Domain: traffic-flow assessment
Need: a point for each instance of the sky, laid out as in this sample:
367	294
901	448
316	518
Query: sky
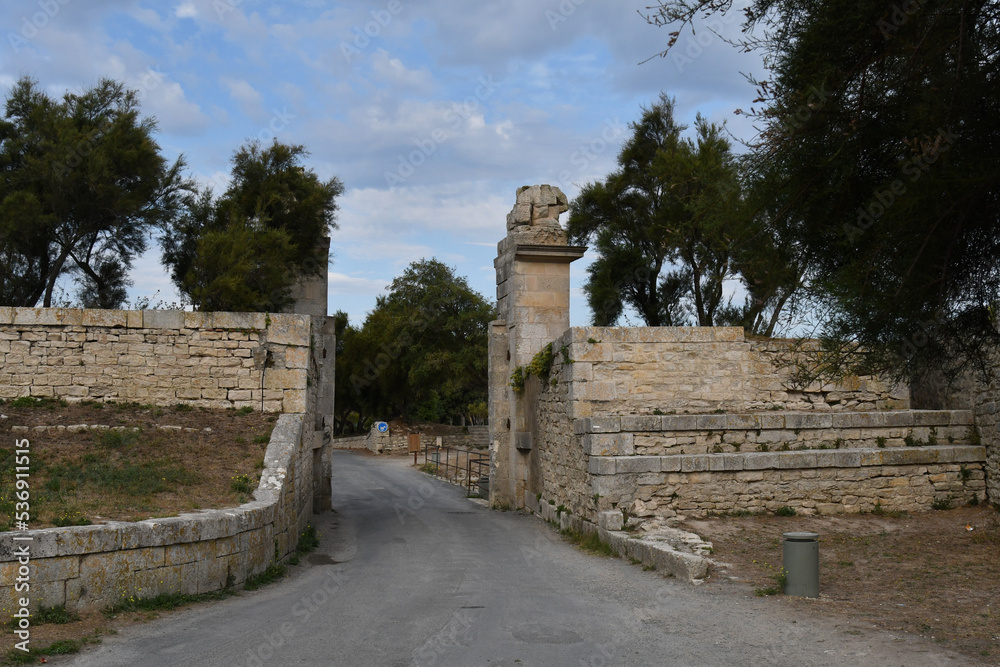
432	113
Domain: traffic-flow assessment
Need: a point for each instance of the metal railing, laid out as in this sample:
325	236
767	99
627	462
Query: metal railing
459	466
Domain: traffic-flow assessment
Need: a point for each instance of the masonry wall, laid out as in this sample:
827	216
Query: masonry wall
162	357
91	567
826	482
704	369
667	421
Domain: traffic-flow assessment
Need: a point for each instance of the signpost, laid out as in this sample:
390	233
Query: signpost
414	443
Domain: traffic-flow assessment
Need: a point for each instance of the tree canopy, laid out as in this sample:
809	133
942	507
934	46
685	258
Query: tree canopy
244	250
82	187
669	229
421	353
876	159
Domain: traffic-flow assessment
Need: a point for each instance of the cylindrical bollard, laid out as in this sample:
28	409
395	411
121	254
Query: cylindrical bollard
800	559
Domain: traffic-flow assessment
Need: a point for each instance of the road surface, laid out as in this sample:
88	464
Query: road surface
410	572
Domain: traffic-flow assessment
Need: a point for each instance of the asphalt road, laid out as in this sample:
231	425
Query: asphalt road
410	572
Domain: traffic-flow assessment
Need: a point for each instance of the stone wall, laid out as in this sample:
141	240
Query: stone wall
619	371
213	360
476	437
90	567
986	406
601	441
825	482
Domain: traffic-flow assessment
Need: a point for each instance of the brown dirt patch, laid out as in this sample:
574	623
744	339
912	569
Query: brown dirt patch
925	574
128	475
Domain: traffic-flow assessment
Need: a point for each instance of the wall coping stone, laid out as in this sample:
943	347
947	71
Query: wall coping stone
183	529
828	458
772	420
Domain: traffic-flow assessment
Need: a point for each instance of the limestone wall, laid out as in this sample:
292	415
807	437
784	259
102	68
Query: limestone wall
664	370
161	357
474	437
96	566
988	424
825	482
602	440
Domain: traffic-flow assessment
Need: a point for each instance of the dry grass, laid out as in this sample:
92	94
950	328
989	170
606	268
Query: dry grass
925	574
127	475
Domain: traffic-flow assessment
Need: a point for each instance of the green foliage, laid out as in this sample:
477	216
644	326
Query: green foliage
245	410
70	519
880	441
120	476
422	352
165	601
31	402
876	157
308	540
667	234
242	484
589	542
56	614
273	572
244	250
82	186
785	510
941	504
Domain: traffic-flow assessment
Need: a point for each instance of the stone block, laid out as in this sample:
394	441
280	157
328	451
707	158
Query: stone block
641	423
744	422
670	463
293	401
604	424
695	463
104	318
240	321
6	315
679	422
961	418
898	418
610	520
287	329
164	319
637	464
285	378
867	420
712	422
931	417
602	465
842	420
772	421
760	461
608	444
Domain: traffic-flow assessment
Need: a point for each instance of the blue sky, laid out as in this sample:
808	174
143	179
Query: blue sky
432	113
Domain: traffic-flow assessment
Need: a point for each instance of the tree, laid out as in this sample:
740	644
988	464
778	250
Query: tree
82	186
244	250
878	147
662	224
422	352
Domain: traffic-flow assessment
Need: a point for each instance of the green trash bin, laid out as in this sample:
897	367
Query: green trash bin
800	559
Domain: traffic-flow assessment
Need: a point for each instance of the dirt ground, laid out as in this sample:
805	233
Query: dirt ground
102	475
933	574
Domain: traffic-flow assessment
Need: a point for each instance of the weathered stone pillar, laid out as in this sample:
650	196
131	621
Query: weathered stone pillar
532	267
310	297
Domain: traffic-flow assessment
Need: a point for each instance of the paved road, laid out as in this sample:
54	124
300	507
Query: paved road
410	572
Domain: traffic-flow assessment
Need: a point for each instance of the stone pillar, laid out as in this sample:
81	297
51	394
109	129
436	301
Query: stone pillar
532	267
310	296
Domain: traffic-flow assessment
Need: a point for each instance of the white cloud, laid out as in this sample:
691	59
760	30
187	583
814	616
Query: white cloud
186	10
393	72
341	283
245	94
